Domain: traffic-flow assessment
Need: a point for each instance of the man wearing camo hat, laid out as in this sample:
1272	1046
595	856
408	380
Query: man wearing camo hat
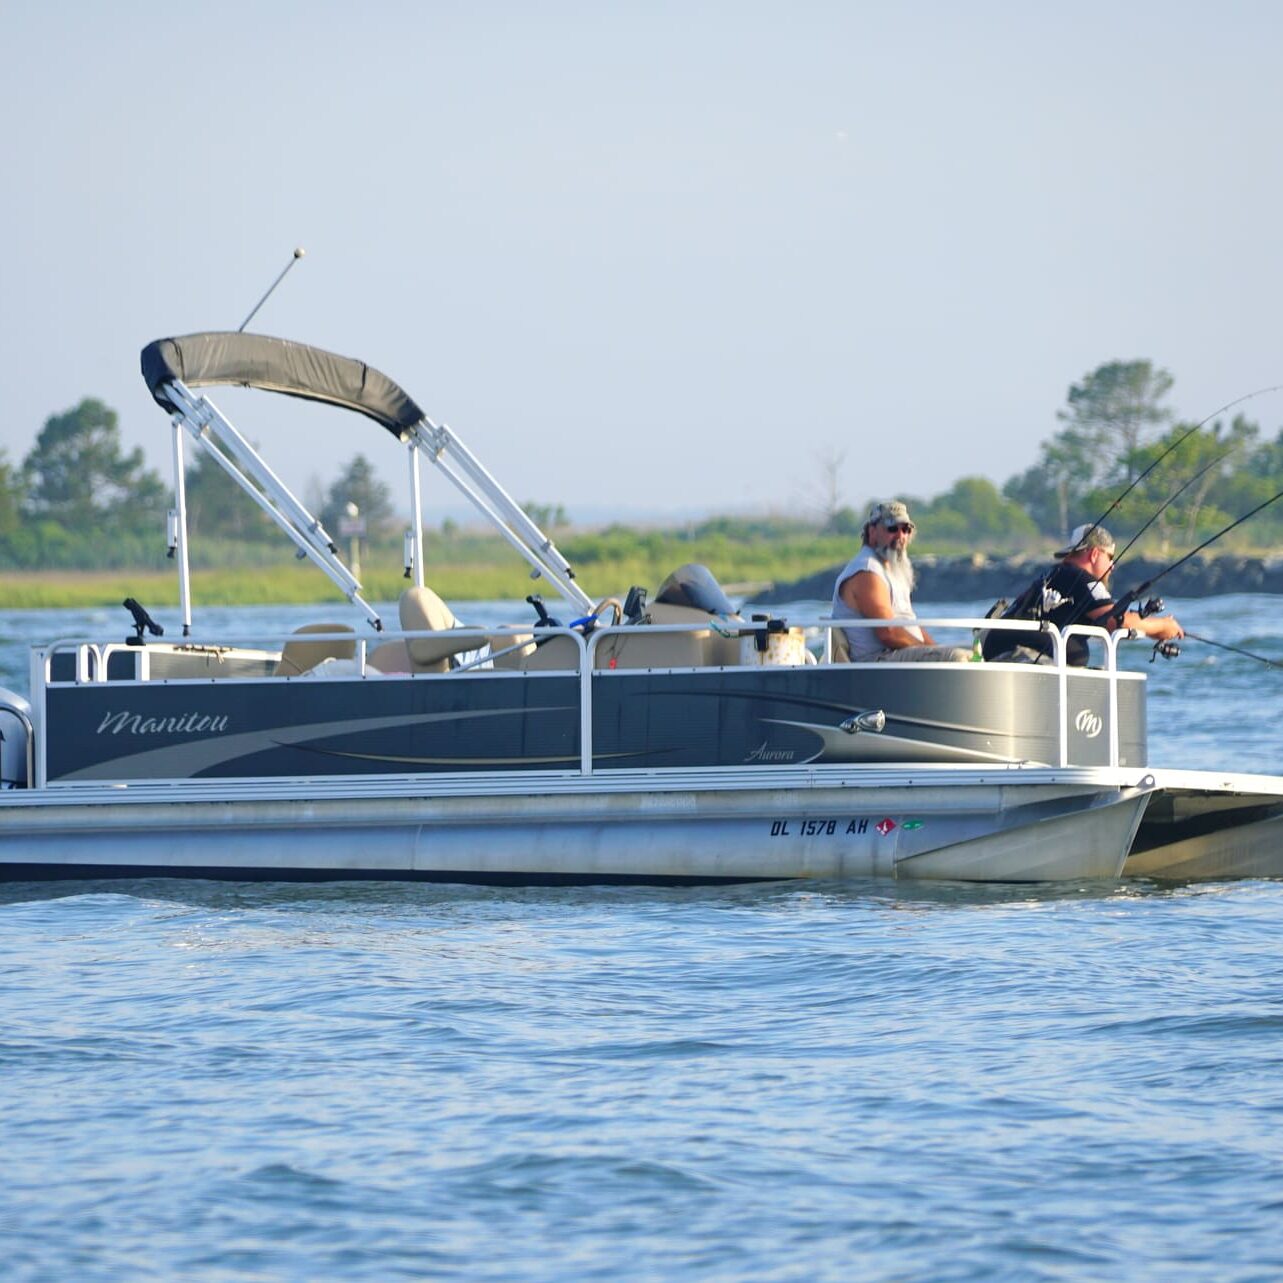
877	583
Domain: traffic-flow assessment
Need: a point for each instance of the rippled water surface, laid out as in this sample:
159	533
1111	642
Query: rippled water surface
857	1081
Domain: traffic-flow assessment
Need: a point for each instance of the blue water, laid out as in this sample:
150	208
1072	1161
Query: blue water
860	1081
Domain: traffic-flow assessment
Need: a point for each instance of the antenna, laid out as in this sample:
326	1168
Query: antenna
298	253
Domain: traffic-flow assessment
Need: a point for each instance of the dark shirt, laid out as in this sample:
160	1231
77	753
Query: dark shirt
1082	596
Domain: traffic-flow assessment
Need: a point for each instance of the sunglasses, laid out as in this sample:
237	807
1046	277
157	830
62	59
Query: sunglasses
894	529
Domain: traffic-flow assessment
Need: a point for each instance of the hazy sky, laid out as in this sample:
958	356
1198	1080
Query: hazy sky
656	255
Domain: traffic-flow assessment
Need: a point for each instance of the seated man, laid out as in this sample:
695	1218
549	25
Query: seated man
1075	591
877	583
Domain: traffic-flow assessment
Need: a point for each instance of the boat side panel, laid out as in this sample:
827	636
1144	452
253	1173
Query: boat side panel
949	713
755	717
189	730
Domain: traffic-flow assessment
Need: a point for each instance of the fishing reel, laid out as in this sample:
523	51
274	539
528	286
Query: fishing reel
1154	606
1168	648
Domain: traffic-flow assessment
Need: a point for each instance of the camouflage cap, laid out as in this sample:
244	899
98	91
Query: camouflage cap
890	512
1085	537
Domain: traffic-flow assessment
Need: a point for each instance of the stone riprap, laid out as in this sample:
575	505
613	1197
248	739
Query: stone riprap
967	578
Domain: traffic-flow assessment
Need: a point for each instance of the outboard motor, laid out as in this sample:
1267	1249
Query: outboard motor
693	585
13	740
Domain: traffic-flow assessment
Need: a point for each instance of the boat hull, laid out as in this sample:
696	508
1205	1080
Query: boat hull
1200	825
673	830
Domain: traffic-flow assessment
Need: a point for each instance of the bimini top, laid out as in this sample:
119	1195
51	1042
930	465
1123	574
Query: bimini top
277	365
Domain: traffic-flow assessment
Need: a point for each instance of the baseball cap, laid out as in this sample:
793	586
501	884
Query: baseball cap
891	512
1084	537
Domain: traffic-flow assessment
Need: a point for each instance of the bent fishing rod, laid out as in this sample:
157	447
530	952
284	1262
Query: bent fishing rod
1120	607
1229	405
1171	499
1158	512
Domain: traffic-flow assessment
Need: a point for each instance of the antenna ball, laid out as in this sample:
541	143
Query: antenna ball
298	253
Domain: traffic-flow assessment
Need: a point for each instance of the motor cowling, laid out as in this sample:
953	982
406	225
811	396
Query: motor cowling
14	708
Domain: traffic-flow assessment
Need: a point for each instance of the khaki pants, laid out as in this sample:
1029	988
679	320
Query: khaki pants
925	655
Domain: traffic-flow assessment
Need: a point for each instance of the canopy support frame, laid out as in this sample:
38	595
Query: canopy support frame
215	433
510	519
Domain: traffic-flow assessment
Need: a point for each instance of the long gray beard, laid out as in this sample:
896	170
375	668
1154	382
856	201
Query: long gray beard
898	567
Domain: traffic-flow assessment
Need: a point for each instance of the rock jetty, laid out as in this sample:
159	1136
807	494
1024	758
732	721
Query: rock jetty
978	577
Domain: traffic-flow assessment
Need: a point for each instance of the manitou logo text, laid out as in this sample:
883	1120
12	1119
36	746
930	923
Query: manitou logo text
1088	723
128	723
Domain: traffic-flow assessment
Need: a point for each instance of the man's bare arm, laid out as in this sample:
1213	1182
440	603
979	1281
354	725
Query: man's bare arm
866	593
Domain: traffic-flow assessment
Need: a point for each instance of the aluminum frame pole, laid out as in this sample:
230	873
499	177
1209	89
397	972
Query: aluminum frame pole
180	502
202	419
416	513
481	489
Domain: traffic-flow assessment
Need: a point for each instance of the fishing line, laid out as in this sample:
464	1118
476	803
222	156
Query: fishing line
1121	607
1238	650
1176	494
1185	436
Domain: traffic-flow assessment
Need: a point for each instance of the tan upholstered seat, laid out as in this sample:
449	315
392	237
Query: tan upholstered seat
300	657
505	656
422	611
556	653
698	649
841	646
390	657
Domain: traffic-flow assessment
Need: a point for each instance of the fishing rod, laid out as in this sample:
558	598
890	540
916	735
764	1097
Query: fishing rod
1171	499
1238	650
1121	608
1229	405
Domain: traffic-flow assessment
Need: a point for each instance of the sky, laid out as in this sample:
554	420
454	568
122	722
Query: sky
654	258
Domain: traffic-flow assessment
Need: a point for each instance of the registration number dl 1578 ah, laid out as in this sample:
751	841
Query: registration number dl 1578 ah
830	828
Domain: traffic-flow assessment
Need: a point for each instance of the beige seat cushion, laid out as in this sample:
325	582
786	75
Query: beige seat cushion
390	657
301	656
841	647
556	654
701	648
422	611
511	650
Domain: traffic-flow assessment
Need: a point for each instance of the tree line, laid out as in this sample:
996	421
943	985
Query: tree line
79	499
1115	423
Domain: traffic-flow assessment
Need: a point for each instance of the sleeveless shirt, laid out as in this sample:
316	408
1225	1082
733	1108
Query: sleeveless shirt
863	642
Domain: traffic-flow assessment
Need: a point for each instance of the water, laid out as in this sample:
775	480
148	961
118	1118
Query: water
867	1080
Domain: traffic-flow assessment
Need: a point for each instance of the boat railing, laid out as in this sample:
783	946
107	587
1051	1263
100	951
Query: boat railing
92	662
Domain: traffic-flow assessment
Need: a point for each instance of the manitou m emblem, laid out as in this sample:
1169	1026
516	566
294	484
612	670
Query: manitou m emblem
1088	723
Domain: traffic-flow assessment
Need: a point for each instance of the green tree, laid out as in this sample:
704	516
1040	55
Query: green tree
12	493
78	476
973	510
1099	450
217	506
358	484
547	516
1111	410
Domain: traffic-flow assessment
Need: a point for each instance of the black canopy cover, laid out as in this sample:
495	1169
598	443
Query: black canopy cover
277	365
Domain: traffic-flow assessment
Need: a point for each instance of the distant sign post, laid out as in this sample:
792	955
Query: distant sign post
352	525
